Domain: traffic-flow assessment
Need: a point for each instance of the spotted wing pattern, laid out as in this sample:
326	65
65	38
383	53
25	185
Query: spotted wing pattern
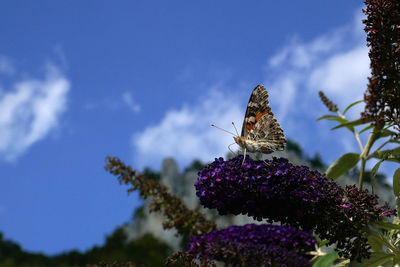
267	135
257	108
260	127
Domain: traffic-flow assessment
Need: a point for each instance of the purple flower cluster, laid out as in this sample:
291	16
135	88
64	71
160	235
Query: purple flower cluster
276	190
255	245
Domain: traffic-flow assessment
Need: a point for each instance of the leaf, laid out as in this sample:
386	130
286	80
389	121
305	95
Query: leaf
352	104
326	260
377	259
342	165
332	118
385	133
344	263
389	154
352	123
373	173
396	182
386	225
366	128
376	244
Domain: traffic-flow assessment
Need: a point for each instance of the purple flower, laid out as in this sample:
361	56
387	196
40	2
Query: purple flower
255	245
276	190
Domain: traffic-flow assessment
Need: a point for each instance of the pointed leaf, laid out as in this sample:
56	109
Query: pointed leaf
352	123
342	165
376	244
332	118
390	154
373	173
377	259
326	260
396	182
344	263
352	104
385	133
366	128
386	225
383	154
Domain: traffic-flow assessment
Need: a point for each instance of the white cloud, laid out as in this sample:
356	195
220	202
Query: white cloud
30	110
6	66
336	63
186	133
129	101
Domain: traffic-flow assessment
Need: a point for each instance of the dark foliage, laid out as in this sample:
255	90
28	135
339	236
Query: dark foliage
146	250
177	215
382	26
294	147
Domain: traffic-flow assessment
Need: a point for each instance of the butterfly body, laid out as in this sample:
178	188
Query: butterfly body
261	132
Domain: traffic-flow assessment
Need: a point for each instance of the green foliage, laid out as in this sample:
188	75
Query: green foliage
196	166
396	182
151	174
326	260
145	250
294	147
139	213
342	165
316	162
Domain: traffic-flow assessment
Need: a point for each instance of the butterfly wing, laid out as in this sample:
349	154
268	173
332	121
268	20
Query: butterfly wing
257	108
267	135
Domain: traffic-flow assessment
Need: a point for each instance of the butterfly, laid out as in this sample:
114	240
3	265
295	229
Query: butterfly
261	131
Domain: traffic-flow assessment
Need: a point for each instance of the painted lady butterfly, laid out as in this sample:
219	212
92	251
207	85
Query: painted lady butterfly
261	131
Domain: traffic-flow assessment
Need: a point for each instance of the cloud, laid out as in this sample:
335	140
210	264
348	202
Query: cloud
129	101
337	63
6	66
186	134
30	110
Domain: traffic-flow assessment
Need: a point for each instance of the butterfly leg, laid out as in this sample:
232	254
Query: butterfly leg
244	156
229	147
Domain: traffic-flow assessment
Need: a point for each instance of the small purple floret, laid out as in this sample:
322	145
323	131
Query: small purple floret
255	245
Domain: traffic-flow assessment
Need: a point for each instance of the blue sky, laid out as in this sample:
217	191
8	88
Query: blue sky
143	80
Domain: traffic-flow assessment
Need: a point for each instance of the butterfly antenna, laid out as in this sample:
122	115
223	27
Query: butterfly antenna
235	128
213	125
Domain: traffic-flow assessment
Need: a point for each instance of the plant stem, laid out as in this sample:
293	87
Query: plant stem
364	155
355	134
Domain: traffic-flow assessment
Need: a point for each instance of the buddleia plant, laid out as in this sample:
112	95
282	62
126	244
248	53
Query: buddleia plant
380	120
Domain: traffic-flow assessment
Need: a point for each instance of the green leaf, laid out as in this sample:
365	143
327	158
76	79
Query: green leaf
396	182
385	133
390	154
376	243
344	263
352	123
342	165
377	259
386	225
373	173
332	118
326	260
352	104
382	154
366	128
